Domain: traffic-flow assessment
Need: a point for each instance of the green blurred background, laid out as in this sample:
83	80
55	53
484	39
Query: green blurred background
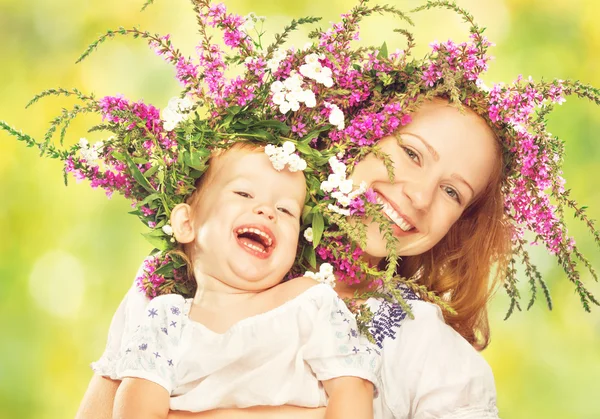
68	255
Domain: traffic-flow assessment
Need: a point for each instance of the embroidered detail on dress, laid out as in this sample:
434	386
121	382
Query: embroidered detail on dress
388	317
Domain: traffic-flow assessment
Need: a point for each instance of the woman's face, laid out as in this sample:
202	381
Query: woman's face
442	161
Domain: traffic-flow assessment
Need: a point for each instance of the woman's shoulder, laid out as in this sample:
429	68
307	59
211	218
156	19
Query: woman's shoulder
433	365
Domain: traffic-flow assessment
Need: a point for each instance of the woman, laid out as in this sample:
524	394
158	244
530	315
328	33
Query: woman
447	188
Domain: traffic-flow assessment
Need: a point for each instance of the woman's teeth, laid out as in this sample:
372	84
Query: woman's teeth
394	216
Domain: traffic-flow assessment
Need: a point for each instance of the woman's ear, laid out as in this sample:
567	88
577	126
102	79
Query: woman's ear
182	224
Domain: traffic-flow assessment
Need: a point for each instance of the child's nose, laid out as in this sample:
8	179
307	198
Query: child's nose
265	211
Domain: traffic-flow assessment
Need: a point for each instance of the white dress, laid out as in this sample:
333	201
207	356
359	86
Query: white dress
274	358
428	370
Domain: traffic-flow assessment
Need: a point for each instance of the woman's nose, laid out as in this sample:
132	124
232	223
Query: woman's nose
420	193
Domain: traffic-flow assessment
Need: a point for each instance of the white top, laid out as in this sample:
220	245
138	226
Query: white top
428	370
274	358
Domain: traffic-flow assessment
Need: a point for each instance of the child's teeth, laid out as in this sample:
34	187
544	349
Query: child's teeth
394	216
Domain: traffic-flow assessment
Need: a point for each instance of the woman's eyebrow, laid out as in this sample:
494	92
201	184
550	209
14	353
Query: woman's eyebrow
428	146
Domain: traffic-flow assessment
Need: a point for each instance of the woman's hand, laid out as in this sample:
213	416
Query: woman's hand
257	412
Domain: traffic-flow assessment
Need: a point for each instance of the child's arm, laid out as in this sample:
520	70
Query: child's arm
139	398
256	412
99	399
349	397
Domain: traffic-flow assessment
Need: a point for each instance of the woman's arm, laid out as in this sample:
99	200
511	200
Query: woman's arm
141	399
99	399
349	397
257	412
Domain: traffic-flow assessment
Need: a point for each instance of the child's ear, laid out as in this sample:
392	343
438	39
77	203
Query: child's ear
181	222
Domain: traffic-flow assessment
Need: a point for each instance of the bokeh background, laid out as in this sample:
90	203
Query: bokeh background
68	254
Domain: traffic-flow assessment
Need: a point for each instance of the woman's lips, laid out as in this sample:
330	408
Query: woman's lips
402	224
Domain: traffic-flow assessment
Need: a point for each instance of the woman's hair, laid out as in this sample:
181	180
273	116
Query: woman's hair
184	250
459	267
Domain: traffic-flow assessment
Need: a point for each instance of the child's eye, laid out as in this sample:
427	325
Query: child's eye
285	211
452	193
411	154
244	194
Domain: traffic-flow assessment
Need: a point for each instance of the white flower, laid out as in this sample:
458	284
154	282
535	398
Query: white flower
284	107
278	98
284	155
83	143
308	234
338	210
278	165
167	229
310	274
346	186
336	117
289	147
302	165
276	86
311	58
270	149
336	179
309	70
310	99
326	269
293	82
326	186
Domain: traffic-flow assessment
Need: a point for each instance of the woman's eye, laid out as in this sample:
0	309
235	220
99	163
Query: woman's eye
452	193
244	194
411	154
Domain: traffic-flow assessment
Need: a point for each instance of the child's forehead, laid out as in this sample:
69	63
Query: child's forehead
237	161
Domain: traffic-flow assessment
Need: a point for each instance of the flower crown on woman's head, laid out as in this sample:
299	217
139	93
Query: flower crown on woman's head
320	109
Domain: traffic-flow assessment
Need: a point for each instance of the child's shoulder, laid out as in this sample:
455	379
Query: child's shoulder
295	287
167	302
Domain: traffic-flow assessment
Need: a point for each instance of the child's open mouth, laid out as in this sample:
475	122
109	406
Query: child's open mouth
256	240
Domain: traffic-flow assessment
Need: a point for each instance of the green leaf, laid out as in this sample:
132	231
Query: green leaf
318	225
195	160
310	256
306	214
273	123
166	270
304	148
149	199
118	156
137	175
159	242
383	51
148	173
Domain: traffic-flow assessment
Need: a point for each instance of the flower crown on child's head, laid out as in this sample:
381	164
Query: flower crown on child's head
320	109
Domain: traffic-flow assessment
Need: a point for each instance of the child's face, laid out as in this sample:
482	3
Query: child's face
247	221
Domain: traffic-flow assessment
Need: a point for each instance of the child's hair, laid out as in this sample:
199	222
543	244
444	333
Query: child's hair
184	250
459	266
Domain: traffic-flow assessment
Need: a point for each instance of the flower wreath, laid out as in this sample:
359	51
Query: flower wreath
319	109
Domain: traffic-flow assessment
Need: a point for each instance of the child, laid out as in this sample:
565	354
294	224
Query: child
243	341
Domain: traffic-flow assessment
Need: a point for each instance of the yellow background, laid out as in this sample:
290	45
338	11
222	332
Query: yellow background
68	255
